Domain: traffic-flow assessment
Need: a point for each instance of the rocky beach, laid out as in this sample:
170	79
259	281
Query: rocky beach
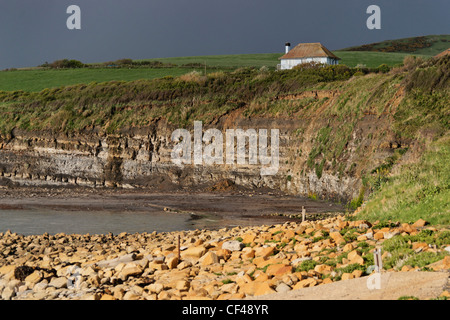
225	264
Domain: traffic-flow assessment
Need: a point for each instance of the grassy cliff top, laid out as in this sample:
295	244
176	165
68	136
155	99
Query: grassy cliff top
391	53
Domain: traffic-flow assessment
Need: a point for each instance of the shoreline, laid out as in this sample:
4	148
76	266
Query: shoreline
203	209
230	263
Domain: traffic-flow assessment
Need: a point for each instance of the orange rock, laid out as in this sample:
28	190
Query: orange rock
260	262
379	235
300	275
263	288
443	264
362	237
419	223
446	262
265	252
289	234
407	228
406	268
348	247
264	236
262	277
194	252
347	276
323	269
278	269
249	238
248	289
224	296
358	260
237	296
224	254
309	282
342	224
209	258
337	237
354	257
420	245
357	273
172	263
300	230
250	254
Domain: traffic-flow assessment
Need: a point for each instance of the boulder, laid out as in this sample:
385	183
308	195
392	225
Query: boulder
391	234
132	270
347	276
419	223
337	237
443	264
278	269
257	288
348	247
308	282
34	278
263	288
282	288
354	257
264	252
184	264
209	258
58	282
249	237
323	269
379	235
194	252
182	285
172	263
8	293
233	245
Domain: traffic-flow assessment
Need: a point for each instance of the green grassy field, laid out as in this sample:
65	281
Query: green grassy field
372	59
349	58
227	61
38	79
35	79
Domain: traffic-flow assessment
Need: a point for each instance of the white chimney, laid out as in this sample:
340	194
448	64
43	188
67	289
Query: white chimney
288	47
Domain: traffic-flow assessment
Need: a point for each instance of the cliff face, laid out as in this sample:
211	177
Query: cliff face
341	133
141	157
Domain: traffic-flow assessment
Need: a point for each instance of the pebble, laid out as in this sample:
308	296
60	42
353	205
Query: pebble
270	259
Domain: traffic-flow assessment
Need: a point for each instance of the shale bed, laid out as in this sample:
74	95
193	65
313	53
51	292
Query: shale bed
202	207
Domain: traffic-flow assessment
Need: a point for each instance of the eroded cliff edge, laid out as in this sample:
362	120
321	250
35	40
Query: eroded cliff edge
141	157
334	134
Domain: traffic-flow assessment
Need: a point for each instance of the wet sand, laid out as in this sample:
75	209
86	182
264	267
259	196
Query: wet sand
205	209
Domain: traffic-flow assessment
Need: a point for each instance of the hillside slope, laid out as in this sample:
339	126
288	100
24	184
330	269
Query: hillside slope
425	45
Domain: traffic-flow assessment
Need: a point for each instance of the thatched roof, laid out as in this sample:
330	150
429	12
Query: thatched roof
309	50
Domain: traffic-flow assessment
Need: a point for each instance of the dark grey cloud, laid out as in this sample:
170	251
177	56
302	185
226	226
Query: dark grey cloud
33	32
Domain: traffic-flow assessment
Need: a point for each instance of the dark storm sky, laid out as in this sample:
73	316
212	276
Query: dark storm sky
34	31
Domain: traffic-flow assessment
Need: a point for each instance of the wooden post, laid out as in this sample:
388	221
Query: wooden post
179	249
377	259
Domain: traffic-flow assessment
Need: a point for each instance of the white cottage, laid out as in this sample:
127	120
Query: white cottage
306	53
